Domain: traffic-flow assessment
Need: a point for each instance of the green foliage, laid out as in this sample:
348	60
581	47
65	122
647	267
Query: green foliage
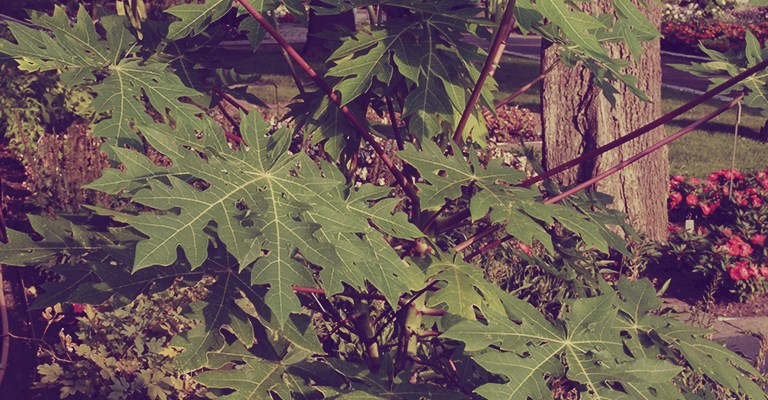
318	287
121	353
34	104
733	63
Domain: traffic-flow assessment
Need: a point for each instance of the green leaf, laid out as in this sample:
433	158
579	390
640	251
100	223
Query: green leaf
287	377
587	348
196	17
218	311
465	286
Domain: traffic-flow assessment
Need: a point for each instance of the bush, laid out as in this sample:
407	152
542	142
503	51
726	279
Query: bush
121	353
724	242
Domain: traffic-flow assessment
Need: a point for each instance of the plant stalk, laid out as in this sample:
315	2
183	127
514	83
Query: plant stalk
661	143
364	329
230	100
647	128
505	27
618	167
527	86
394	122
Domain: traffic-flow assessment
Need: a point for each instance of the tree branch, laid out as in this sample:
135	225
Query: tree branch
647	128
407	186
229	99
505	27
527	86
661	143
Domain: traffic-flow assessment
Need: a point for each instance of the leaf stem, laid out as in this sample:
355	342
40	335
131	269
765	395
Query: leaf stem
476	237
618	167
661	143
394	122
527	86
649	127
321	292
505	27
229	99
409	189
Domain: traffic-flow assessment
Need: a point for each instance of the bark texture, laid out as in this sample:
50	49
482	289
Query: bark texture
319	26
576	118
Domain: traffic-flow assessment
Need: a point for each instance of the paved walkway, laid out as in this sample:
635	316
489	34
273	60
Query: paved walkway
737	334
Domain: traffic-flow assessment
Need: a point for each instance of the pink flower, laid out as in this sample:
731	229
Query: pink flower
524	248
764	271
694	181
734	273
78	308
709	209
674	199
757	239
692	199
738	247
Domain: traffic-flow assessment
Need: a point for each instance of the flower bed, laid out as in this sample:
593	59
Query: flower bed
721	36
718	232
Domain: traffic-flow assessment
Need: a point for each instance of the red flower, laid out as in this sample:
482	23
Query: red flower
694	181
757	239
734	273
764	271
524	248
709	209
692	199
675	199
78	308
744	271
738	247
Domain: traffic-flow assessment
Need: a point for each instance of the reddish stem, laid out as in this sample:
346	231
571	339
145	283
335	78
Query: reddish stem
394	122
618	167
661	143
321	292
229	99
647	128
505	27
475	238
409	189
527	86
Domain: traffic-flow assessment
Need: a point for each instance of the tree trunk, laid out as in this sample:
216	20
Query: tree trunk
317	45
576	118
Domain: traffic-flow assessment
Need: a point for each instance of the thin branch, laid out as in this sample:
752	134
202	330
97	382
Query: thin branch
294	74
394	122
434	216
527	86
647	128
618	167
475	238
321	292
407	186
487	247
229	99
505	27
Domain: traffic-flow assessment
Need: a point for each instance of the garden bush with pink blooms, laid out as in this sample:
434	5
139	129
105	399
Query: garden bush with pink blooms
718	228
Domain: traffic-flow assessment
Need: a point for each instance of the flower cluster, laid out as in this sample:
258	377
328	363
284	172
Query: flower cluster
685	35
726	216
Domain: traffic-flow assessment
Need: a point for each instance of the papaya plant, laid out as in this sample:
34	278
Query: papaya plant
320	288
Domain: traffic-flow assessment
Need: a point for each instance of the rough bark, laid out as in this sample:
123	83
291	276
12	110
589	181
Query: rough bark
576	117
317	45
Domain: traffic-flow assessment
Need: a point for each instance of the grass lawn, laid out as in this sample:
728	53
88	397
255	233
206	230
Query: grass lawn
697	154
